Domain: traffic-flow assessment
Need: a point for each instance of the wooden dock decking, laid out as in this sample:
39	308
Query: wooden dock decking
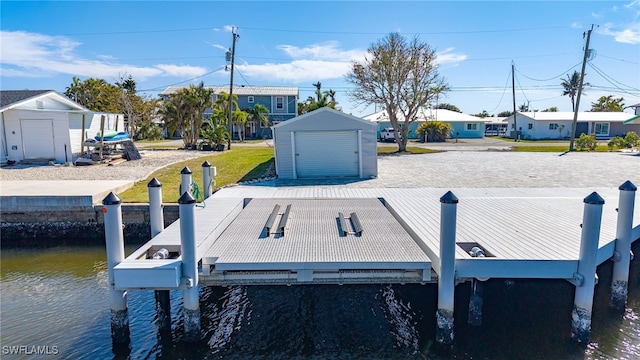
526	233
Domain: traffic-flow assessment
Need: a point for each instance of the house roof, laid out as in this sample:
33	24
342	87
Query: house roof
319	112
633	120
582	116
428	115
10	97
13	98
243	90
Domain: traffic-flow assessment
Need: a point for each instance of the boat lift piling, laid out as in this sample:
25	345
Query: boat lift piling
447	275
585	278
185	180
156	221
114	238
622	256
191	301
208	178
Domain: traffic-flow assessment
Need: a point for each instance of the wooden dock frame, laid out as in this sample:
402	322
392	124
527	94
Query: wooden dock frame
446	265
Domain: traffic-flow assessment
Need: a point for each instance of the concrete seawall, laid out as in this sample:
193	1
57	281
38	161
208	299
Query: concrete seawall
75	225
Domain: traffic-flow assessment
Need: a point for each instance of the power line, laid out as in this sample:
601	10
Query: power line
181	82
555	77
623	60
607	77
153	31
504	90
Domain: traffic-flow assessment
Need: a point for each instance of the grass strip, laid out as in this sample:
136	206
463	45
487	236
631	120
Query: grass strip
238	164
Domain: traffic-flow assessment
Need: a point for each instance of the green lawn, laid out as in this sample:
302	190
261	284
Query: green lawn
238	164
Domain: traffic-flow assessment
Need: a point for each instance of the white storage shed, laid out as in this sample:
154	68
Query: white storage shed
46	125
326	143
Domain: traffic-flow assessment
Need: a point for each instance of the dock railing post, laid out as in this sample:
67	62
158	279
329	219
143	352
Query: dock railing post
114	238
156	216
191	301
446	278
156	221
622	255
587	263
208	178
185	180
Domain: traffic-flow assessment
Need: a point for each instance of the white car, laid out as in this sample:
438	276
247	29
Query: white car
386	134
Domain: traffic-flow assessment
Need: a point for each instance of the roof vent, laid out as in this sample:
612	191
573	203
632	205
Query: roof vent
39	104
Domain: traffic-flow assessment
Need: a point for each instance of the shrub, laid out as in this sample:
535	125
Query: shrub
631	139
586	142
436	131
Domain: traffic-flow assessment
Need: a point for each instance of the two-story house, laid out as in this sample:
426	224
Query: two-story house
282	102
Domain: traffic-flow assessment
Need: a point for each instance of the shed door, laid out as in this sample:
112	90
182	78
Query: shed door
327	154
37	139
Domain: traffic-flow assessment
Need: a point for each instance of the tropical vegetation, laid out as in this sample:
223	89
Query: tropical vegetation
100	96
434	131
630	140
571	85
608	104
322	99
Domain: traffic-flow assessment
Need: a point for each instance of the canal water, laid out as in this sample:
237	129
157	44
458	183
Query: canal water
54	302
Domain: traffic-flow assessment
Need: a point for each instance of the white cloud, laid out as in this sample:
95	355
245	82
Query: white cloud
297	70
448	56
325	51
629	35
27	54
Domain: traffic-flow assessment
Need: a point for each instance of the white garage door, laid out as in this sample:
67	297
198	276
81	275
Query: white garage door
37	139
327	154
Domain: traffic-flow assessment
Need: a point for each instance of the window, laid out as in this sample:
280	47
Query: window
553	126
250	99
602	129
530	126
279	103
472	127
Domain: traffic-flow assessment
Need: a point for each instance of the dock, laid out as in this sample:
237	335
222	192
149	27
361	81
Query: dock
305	235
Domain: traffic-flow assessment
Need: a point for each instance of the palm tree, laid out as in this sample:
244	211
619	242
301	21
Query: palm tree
223	103
259	114
571	85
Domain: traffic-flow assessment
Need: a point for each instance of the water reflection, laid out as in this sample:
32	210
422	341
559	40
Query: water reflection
58	297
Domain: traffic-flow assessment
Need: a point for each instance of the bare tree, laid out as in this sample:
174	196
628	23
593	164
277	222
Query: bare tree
400	75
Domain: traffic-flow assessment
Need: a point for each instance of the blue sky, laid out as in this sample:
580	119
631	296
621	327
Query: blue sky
160	43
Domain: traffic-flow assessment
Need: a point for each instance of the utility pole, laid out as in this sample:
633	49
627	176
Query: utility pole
231	57
513	91
575	111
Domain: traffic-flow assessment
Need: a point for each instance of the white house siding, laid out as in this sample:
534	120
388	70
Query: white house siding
3	141
17	142
324	120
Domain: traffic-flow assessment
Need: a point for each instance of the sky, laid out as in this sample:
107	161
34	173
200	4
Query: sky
43	45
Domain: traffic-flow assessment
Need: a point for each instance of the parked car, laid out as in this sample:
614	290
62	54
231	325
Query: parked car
386	134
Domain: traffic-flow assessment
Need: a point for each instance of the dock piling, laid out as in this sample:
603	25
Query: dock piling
191	301
446	279
156	216
622	256
114	239
208	178
185	180
587	263
156	220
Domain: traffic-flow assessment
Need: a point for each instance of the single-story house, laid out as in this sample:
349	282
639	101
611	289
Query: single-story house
46	125
463	126
557	125
325	143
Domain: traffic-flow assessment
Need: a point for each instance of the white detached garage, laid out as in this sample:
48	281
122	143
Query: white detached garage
325	143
